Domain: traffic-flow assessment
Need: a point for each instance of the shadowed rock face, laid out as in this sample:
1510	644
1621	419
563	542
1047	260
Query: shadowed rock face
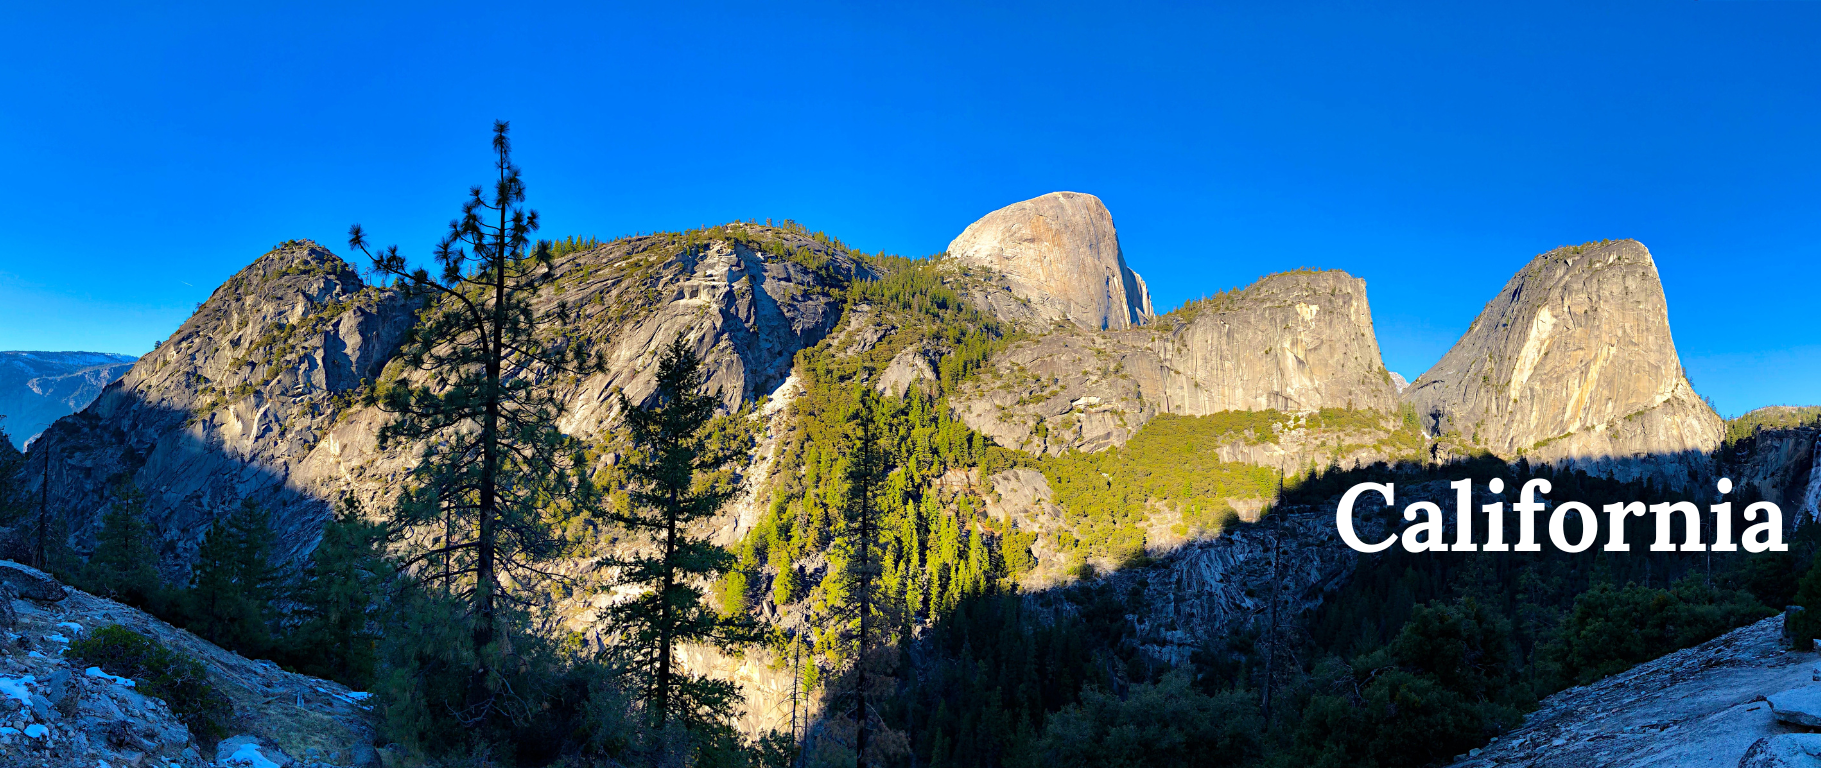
1296	341
231	404
1572	363
1060	254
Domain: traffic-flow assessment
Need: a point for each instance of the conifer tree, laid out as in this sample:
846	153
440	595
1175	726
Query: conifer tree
860	541
478	392
230	599
479	395
671	454
123	566
335	635
13	503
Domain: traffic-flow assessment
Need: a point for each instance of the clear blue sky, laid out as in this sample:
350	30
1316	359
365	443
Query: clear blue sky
1431	149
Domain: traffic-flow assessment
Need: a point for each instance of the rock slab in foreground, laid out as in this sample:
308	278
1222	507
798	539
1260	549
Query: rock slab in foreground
1700	707
30	583
1788	750
1798	706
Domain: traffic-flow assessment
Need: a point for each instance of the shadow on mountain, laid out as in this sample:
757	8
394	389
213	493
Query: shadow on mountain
1393	657
122	444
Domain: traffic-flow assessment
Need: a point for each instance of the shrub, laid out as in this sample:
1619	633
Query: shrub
158	671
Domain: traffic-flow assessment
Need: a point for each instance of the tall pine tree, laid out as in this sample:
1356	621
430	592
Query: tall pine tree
335	633
479	396
864	623
233	585
670	457
123	565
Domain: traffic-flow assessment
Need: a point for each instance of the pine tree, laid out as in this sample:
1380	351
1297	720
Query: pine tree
13	499
671	453
862	614
123	566
335	635
230	599
480	396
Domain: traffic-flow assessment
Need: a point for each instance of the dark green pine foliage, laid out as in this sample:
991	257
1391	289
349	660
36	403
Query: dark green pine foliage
230	599
668	492
13	500
477	390
124	566
334	632
862	629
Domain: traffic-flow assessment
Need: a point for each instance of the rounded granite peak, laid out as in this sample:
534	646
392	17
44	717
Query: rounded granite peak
1573	362
1060	253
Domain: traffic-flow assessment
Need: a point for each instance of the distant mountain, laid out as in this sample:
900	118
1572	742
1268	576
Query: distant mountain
37	388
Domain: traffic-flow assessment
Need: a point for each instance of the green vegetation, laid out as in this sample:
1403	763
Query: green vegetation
1168	722
332	629
1776	417
13	501
124	566
230	600
160	671
1173	466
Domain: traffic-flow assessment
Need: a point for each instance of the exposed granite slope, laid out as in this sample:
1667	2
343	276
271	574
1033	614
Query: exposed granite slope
1572	363
1700	706
1060	253
253	397
1295	341
85	718
231	404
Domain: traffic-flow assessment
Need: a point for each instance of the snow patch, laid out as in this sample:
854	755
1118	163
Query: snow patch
15	688
249	756
96	672
36	730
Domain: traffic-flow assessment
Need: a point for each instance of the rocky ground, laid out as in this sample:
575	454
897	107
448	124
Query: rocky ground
1709	705
56	712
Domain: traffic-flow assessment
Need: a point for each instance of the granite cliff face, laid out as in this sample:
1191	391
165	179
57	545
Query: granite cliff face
1296	341
1060	255
1572	363
254	396
37	388
231	404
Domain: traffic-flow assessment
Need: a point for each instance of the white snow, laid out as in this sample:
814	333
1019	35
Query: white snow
56	638
36	730
96	672
72	627
249	755
15	687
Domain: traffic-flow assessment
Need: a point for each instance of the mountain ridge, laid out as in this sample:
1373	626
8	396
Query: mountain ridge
39	387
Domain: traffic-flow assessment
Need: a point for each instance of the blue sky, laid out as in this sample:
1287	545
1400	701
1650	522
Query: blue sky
1431	149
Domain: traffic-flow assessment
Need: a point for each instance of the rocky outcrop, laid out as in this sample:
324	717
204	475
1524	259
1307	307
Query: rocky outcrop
1779	466
1701	706
231	405
257	395
37	388
1061	255
57	713
1572	363
254	396
1296	341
